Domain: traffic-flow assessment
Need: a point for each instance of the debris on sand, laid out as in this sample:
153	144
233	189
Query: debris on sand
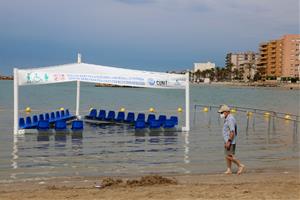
151	180
109	182
143	181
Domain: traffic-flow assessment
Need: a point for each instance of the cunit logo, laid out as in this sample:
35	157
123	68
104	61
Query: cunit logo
162	83
151	81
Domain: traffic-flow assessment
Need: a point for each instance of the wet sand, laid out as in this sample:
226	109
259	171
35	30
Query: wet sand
266	185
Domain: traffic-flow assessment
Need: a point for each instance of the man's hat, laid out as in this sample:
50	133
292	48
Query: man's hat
224	108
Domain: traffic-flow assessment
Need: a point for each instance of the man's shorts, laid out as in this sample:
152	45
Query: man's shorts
231	151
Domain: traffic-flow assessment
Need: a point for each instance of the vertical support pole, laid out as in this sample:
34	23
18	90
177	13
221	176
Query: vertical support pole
187	103
78	88
78	98
16	101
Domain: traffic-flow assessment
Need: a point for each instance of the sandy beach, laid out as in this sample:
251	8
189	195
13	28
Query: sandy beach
265	185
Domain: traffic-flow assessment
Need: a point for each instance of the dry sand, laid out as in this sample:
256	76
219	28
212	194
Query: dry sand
283	185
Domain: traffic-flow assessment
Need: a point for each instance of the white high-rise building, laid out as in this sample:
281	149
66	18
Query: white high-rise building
203	66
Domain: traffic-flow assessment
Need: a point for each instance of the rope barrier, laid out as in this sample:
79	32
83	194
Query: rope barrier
267	113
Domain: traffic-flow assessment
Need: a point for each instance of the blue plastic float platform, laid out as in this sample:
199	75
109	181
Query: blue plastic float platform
140	123
58	121
51	123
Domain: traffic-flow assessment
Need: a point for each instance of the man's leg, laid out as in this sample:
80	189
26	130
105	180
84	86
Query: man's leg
239	164
228	162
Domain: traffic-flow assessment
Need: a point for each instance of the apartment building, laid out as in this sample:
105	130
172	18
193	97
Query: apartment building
290	55
280	58
244	63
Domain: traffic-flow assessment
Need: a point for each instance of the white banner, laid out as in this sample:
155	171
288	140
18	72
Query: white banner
100	74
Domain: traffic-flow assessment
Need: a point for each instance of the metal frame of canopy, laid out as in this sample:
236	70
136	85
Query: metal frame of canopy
16	100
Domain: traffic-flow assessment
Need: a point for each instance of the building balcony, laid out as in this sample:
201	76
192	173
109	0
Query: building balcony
263	48
264	44
261	63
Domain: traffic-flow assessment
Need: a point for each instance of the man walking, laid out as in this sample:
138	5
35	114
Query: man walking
230	138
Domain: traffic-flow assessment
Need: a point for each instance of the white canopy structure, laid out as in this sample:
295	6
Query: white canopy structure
83	72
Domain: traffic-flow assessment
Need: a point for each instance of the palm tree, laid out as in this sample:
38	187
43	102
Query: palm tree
235	73
229	68
217	73
249	66
198	75
211	74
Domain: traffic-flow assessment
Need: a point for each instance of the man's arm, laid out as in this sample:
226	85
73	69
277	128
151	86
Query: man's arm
232	129
231	137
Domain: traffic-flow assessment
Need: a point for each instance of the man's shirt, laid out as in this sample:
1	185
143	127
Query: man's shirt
229	125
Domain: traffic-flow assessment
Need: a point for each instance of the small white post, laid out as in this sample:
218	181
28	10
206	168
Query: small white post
187	103
78	58
16	101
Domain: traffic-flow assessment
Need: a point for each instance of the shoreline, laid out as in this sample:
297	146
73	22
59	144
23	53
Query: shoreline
252	185
289	86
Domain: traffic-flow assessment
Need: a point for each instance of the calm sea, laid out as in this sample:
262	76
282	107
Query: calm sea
263	143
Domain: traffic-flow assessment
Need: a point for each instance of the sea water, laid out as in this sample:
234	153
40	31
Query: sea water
264	143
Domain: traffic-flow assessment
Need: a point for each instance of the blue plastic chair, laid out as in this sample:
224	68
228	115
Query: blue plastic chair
28	122
111	116
68	113
57	115
52	117
43	125
139	125
162	119
102	115
169	123
130	117
41	117
77	125
174	119
154	124
93	114
140	117
47	116
62	114
120	117
150	118
22	123
35	120
60	125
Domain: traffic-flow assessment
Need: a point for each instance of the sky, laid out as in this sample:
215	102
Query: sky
157	35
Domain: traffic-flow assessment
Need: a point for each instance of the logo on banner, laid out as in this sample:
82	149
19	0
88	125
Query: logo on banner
151	81
162	83
37	77
59	77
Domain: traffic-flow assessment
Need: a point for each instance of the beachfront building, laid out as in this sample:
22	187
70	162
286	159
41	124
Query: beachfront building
199	71
242	65
280	58
290	56
204	66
